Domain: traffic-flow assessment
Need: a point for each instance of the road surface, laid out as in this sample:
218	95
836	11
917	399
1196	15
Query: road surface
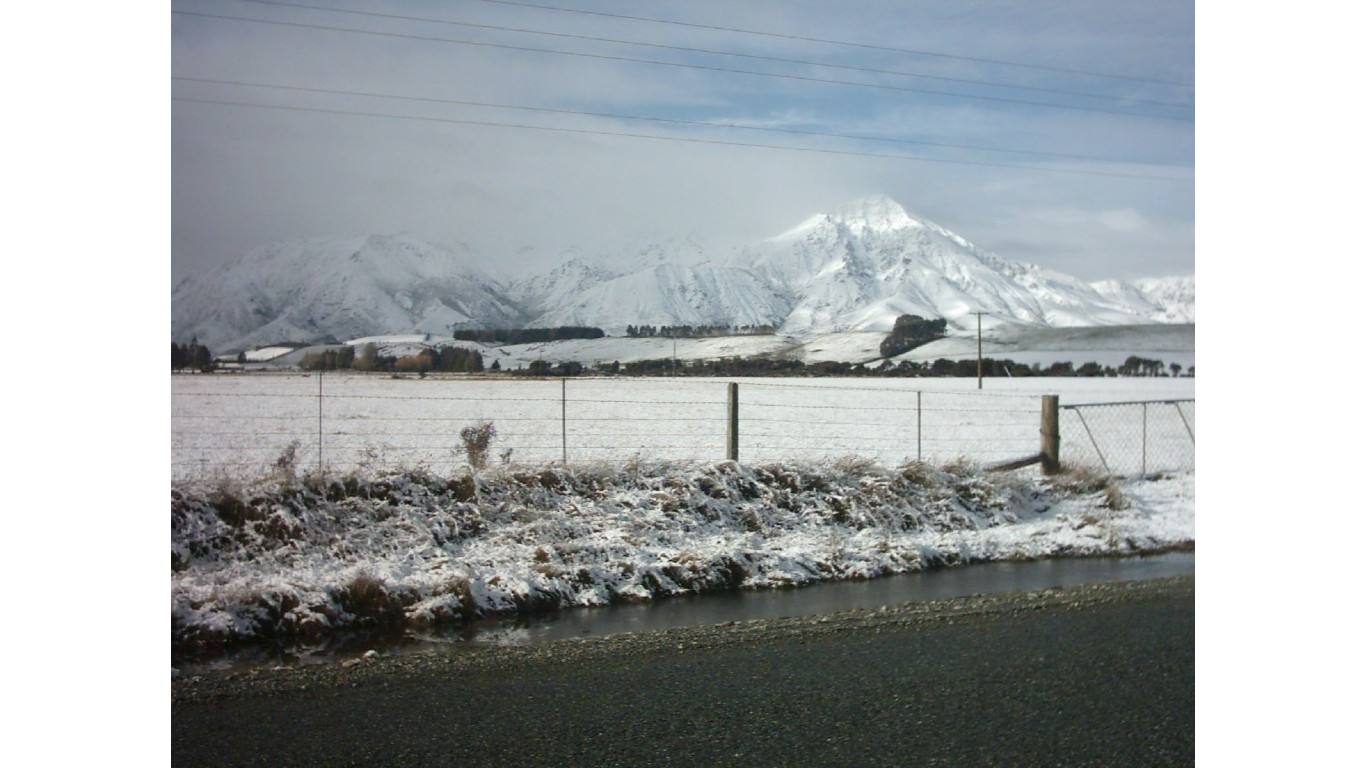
1102	675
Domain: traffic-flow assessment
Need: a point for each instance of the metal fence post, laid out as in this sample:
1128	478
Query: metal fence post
733	421
1145	441
919	420
1050	439
564	422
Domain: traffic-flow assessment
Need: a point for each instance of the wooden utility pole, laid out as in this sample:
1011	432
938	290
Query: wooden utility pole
979	347
320	423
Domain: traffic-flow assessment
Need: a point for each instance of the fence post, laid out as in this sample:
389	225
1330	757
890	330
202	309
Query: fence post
1050	439
564	422
733	421
1144	468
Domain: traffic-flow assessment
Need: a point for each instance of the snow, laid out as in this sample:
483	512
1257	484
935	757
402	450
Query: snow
243	424
397	527
852	269
265	354
1106	345
286	556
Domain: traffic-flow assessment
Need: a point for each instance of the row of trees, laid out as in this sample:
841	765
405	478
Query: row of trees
764	366
193	355
528	335
1141	366
447	359
693	331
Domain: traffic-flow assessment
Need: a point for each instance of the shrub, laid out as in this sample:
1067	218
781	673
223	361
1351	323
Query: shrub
287	463
1086	479
477	438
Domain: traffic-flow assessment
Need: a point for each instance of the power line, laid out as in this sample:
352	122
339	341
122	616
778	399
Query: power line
826	41
605	57
672	121
686	139
713	52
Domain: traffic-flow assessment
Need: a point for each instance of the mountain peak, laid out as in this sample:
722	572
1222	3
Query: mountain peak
872	214
877	213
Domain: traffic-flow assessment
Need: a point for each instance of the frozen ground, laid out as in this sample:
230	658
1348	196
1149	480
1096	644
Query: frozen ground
1106	345
305	556
241	425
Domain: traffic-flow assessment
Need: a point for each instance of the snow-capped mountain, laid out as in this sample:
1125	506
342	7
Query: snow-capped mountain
341	288
859	267
1172	297
852	269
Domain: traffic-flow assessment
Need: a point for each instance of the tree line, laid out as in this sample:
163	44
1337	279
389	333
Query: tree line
766	366
441	359
528	335
193	355
694	331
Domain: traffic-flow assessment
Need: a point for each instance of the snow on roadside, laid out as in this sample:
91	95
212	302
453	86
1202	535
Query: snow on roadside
307	556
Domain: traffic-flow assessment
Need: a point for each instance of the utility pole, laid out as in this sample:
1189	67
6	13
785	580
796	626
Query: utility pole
979	347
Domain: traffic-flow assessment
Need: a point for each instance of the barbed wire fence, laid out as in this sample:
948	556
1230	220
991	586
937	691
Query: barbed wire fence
252	425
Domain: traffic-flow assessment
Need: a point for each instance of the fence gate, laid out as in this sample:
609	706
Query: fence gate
1134	438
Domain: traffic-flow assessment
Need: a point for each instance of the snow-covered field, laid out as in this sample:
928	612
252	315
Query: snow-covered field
242	425
1106	345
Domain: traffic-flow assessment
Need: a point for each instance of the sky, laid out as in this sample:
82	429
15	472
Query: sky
1056	133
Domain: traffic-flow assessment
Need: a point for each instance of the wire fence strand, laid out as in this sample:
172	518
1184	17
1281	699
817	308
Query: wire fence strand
338	422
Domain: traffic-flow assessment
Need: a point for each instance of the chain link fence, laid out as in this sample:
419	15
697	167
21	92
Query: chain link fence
1125	439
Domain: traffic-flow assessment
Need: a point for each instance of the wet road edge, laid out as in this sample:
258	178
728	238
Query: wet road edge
336	679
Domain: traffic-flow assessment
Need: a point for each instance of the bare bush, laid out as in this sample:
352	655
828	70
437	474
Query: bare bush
287	463
477	439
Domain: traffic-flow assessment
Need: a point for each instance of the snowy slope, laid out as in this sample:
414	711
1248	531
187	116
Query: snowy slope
343	288
852	269
1167	300
669	294
861	266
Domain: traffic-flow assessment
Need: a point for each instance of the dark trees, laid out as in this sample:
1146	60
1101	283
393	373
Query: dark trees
192	355
911	331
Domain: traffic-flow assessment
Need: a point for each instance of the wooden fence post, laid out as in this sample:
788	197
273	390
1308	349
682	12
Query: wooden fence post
733	421
1050	439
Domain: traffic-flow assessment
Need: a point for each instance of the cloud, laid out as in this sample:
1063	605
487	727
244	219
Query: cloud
303	163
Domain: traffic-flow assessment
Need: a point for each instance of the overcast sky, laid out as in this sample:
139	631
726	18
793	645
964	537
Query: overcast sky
1058	133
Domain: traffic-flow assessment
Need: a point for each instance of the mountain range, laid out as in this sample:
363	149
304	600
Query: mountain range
855	268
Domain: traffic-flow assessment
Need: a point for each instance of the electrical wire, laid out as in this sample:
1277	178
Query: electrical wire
685	139
702	67
713	52
826	41
670	121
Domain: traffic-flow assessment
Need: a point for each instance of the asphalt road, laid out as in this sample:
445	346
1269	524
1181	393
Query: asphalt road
1102	675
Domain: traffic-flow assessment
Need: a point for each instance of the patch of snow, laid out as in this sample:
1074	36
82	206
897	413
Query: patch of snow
274	557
